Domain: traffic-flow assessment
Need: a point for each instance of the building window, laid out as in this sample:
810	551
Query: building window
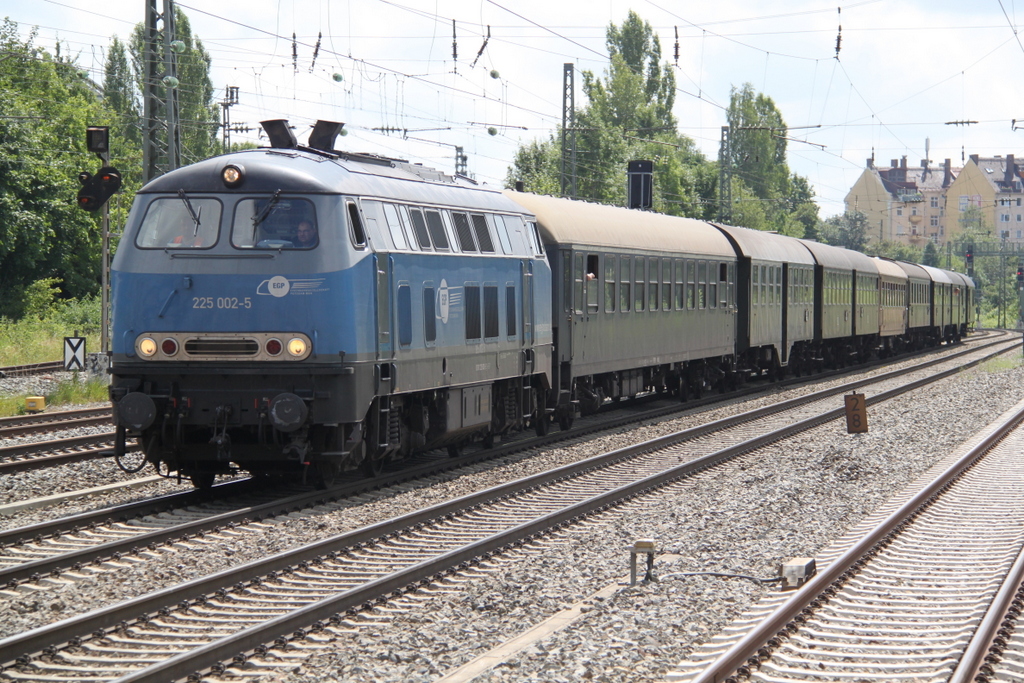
899	210
935	202
935	221
1004	218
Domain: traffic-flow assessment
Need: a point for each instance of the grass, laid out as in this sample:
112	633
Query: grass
67	391
1002	364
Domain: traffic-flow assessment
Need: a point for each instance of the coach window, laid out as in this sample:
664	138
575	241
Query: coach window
404	305
677	268
732	285
666	284
566	281
609	283
625	278
653	271
429	315
755	289
712	285
702	284
640	280
578	285
419	227
435	226
723	284
691	285
593	288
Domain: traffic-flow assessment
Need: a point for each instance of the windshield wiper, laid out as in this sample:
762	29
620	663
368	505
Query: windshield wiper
191	212
264	212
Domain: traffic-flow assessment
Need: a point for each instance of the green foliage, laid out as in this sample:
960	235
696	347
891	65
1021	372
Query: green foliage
930	257
35	340
75	390
898	251
628	116
849	230
47	104
40	298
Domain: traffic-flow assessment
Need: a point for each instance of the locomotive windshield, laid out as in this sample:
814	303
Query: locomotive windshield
180	223
274	223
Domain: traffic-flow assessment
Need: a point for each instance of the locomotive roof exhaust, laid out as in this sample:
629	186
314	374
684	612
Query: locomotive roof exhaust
280	133
324	134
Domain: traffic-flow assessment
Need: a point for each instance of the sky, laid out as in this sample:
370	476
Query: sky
935	79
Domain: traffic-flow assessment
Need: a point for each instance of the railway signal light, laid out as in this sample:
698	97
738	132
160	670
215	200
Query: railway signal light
1020	275
97	189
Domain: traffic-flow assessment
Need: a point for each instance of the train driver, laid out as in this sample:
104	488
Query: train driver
305	235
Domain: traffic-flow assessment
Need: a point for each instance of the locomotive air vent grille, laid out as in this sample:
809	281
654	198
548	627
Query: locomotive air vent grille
222	347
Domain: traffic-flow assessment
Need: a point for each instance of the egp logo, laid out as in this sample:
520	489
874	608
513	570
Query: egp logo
278	286
443	301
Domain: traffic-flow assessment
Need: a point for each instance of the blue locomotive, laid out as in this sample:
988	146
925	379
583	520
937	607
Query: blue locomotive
300	309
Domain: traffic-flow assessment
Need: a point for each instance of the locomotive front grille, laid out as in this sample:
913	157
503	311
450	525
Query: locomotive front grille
222	347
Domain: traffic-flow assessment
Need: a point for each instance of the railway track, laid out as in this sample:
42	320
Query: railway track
930	589
234	614
37	454
31	369
21	425
89	539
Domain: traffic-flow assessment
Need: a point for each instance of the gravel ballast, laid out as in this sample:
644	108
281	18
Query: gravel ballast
743	518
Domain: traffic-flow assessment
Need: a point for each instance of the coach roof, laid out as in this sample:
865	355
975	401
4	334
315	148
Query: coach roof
570	222
768	246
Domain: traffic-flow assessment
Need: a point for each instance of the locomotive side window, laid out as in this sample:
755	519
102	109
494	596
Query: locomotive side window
419	226
535	236
472	303
463	234
429	316
404	301
510	310
394	221
491	311
356	223
499	227
483	235
173	223
436	228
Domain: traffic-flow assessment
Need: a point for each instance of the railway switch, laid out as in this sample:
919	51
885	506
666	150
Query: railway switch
797	571
643	546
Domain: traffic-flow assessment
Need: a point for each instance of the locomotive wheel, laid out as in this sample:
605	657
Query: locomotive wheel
202	480
327	473
371	467
541	424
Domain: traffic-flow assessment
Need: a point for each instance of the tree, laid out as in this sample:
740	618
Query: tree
930	257
849	230
48	102
757	157
628	116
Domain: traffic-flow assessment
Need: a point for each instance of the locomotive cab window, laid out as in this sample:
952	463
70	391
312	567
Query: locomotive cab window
180	223
274	223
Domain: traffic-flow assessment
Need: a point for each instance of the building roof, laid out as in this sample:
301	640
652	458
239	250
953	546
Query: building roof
1003	173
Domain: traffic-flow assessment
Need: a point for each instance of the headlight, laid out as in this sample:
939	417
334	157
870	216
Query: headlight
232	175
273	347
147	347
169	347
297	347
